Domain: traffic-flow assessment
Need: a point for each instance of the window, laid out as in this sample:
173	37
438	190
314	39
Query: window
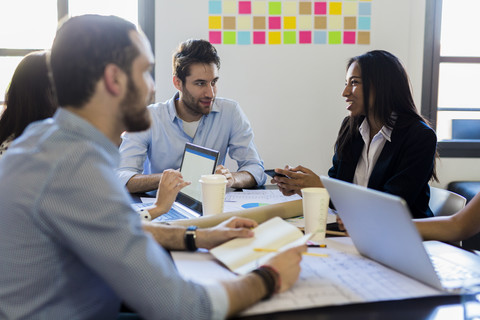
29	25
451	68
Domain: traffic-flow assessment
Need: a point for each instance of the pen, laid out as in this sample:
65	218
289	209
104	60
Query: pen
313	245
320	255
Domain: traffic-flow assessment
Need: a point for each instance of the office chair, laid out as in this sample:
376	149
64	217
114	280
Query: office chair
444	202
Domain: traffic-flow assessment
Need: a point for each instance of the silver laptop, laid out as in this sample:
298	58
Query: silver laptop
196	161
381	228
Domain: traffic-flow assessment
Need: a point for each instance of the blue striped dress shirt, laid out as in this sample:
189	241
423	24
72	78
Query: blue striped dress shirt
71	247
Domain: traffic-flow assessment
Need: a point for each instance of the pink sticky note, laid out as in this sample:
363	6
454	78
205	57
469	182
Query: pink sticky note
349	37
215	37
305	36
259	37
320	8
274	22
244	7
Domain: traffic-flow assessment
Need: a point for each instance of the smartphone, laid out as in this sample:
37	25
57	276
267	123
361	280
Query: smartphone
272	173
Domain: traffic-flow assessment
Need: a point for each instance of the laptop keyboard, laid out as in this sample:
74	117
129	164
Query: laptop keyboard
172	214
449	271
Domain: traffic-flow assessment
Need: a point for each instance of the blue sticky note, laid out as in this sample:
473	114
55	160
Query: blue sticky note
364	9
215	7
320	37
363	23
243	37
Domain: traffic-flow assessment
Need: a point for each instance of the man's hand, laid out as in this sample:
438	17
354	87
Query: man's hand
287	263
220	169
168	187
297	178
232	228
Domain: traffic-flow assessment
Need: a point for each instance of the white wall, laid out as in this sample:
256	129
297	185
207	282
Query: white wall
292	93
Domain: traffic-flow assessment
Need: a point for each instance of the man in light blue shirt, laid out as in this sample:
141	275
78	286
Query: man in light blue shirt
71	246
195	115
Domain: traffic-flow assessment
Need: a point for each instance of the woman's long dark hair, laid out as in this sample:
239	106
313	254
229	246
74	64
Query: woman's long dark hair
29	96
384	76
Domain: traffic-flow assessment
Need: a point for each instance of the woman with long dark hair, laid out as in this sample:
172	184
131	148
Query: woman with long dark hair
29	98
384	143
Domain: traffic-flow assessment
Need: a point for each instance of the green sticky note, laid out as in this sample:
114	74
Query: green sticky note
289	37
334	37
275	8
229	37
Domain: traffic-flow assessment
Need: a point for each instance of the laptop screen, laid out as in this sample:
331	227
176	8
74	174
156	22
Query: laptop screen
196	162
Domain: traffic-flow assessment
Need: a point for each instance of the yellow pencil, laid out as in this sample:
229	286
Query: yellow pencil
320	255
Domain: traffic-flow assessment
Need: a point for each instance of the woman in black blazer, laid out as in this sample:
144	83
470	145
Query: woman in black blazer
384	143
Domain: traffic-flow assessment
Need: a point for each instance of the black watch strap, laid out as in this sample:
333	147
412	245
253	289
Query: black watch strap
190	236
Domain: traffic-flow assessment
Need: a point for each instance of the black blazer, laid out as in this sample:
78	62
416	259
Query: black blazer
403	168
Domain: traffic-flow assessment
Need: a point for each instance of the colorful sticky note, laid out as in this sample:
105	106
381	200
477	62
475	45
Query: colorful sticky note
305	22
350	23
274	37
229	23
244	23
363	37
274	8
305	36
290	8
289	23
365	9
229	37
289	37
259	37
335	8
229	7
244	37
274	22
320	37
215	22
305	7
350	8
349	37
215	7
259	23
215	37
244	7
259	7
335	22
320	22
364	23
320	8
334	37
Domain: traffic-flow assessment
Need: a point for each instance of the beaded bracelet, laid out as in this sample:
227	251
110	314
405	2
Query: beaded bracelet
271	279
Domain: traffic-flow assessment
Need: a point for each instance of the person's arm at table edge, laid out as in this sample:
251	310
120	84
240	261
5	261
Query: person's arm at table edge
143	182
459	226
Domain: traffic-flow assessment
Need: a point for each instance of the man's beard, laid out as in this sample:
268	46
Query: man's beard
134	119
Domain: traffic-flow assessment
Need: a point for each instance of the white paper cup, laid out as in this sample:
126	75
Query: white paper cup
315	210
213	193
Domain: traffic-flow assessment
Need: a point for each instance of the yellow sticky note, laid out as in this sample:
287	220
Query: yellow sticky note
350	8
274	37
305	22
290	8
335	8
214	22
289	23
335	22
229	7
244	23
259	7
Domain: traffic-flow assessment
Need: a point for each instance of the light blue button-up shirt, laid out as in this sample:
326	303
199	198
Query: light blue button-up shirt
225	129
71	247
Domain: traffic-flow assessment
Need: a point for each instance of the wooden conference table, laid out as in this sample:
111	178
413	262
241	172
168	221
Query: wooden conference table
431	308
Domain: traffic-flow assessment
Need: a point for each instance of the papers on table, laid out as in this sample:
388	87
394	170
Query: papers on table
344	277
254	198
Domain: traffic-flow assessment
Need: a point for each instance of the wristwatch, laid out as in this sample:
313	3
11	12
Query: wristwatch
190	236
